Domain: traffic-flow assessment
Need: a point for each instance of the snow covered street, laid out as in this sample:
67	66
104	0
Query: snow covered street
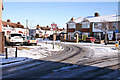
72	61
44	50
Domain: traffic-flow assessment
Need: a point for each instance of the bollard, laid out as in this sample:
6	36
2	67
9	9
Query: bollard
16	53
53	45
6	53
59	46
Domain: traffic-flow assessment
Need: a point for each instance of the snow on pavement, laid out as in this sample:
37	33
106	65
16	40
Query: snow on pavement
34	52
100	50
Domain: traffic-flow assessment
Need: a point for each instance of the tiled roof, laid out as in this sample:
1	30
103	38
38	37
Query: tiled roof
10	24
43	28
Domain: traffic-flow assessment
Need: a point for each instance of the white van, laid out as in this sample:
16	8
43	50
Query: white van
14	39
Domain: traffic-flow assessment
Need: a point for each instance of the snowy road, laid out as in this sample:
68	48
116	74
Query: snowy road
75	61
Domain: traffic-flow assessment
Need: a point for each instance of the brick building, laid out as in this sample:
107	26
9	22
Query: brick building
90	26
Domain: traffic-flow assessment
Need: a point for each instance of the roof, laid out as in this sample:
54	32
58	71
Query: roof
15	25
43	28
71	21
108	18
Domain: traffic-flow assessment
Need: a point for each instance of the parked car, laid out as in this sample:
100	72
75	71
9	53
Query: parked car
30	41
14	39
90	39
57	37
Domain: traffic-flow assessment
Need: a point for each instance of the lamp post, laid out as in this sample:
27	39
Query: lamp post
116	32
26	27
116	24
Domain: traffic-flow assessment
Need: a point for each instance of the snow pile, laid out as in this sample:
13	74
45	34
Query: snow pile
35	52
104	51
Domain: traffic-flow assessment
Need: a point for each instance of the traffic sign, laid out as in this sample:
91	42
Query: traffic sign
116	31
54	26
116	41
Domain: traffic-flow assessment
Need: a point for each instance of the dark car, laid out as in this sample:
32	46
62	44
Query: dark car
57	37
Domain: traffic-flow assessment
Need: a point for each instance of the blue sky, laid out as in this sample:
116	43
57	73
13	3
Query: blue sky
45	13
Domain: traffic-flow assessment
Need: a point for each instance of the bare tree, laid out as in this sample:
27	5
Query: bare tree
104	27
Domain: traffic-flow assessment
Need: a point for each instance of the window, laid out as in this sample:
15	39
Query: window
71	25
12	35
85	25
96	27
113	25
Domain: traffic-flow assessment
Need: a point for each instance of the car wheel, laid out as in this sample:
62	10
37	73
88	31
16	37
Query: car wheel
35	44
21	44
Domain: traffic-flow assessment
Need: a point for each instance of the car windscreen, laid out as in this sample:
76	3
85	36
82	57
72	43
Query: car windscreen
31	38
13	35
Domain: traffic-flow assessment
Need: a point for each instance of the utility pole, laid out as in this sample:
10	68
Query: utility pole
116	25
116	32
26	27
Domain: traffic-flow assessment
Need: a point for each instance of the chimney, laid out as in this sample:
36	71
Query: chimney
38	25
8	20
18	22
72	19
96	14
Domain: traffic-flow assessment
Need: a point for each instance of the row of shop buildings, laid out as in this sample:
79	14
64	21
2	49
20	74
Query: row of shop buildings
89	26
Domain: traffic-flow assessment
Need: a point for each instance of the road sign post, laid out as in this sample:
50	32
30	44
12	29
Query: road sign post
54	36
116	32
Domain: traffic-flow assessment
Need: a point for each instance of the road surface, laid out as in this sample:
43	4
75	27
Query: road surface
75	61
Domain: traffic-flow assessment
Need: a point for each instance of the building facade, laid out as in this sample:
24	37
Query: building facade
93	26
10	27
47	31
